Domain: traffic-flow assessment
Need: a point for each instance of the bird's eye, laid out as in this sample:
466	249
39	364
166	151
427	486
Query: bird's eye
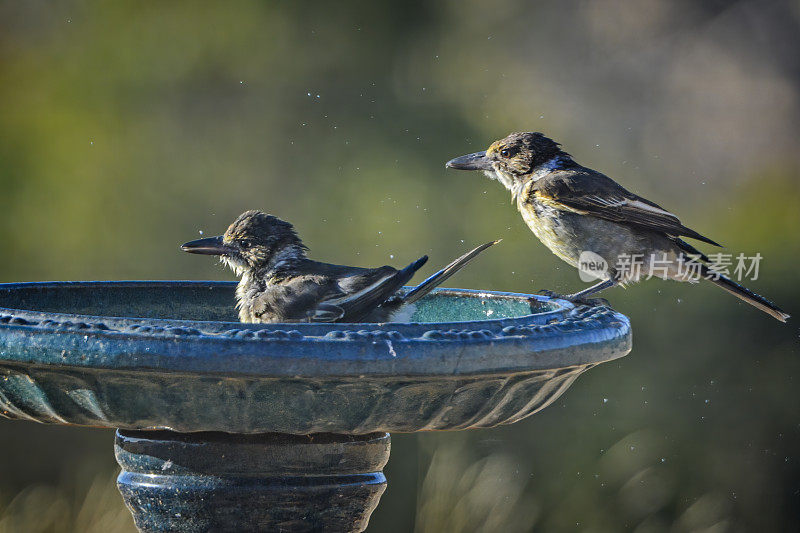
504	152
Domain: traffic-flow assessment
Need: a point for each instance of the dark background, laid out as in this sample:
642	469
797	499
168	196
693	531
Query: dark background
127	128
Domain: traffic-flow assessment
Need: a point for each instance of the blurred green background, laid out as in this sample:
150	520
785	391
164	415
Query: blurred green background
127	128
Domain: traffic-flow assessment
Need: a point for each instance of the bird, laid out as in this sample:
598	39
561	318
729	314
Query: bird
588	219
279	283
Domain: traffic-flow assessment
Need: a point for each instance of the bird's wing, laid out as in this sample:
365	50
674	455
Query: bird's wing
592	193
330	293
293	298
367	290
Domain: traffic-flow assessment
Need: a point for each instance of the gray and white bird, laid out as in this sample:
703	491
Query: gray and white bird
578	212
280	284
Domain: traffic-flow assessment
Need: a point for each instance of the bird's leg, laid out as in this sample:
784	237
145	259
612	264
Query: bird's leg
601	286
580	297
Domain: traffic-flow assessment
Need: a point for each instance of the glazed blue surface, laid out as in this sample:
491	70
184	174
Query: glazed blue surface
141	355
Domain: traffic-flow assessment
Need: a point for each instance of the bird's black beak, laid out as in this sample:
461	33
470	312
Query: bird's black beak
476	161
209	246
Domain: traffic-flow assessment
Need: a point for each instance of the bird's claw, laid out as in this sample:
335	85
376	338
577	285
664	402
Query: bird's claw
591	302
551	294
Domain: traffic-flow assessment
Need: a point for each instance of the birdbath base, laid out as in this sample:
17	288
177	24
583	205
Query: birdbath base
191	482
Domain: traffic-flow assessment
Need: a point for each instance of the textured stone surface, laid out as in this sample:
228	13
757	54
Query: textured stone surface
255	405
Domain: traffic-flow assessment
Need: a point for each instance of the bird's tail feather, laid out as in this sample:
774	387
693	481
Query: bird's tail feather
437	279
353	307
744	293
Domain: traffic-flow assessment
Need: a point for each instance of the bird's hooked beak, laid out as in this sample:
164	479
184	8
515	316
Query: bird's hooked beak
476	161
208	246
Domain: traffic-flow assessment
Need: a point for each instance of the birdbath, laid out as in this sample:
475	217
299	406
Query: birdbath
223	426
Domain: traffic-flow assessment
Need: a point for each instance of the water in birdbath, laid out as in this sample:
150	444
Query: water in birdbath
215	302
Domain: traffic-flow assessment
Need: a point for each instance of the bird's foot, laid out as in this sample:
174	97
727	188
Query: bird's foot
577	299
591	302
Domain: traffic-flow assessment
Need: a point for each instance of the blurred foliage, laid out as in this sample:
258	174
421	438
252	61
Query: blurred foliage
127	128
88	503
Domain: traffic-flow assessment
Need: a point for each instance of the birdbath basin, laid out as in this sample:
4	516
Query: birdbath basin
223	426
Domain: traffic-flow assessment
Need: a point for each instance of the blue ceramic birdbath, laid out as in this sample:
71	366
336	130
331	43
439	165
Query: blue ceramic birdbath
223	426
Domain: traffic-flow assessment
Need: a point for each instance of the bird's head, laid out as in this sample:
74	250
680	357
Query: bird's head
513	159
254	240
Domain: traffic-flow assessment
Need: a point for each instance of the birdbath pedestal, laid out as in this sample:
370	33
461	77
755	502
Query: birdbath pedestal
223	426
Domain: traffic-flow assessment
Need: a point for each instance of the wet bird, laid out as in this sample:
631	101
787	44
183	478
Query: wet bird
585	217
280	284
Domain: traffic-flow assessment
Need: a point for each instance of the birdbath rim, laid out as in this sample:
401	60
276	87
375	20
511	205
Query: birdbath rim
552	338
